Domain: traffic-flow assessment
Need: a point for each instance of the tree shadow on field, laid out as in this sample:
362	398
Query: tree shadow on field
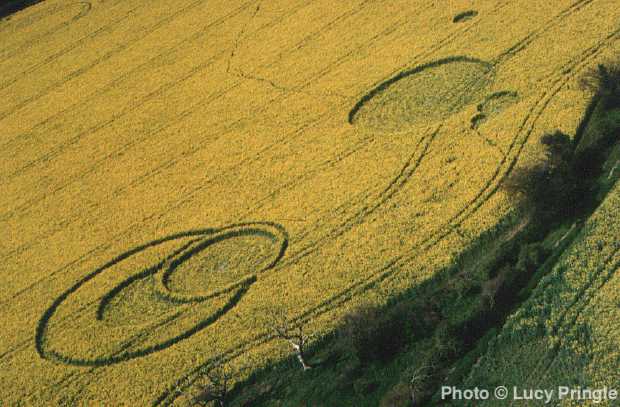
431	324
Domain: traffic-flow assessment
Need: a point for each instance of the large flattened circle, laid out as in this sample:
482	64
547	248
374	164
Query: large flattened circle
425	94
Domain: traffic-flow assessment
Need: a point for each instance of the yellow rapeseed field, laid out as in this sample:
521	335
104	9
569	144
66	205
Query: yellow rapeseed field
172	171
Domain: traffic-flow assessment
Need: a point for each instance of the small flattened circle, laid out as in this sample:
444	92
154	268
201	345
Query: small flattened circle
222	262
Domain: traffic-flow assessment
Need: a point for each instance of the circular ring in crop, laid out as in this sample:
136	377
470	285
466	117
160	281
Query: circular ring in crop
186	313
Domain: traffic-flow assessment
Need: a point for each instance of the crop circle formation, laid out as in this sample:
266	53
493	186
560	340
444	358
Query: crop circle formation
164	303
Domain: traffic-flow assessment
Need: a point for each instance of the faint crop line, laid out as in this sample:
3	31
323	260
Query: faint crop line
134	70
544	364
310	174
52	58
58	150
240	35
580	302
490	142
532	36
341	60
15	50
318	32
300	45
105	57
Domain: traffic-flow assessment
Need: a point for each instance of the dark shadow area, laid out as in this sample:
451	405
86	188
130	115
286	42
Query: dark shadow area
464	16
13	6
440	319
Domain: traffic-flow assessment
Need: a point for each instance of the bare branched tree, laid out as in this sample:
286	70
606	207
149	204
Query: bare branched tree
416	383
491	287
613	169
293	332
565	235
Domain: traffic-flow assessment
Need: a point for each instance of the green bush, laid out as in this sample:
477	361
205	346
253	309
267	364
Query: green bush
561	187
604	81
397	396
376	335
531	257
552	189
